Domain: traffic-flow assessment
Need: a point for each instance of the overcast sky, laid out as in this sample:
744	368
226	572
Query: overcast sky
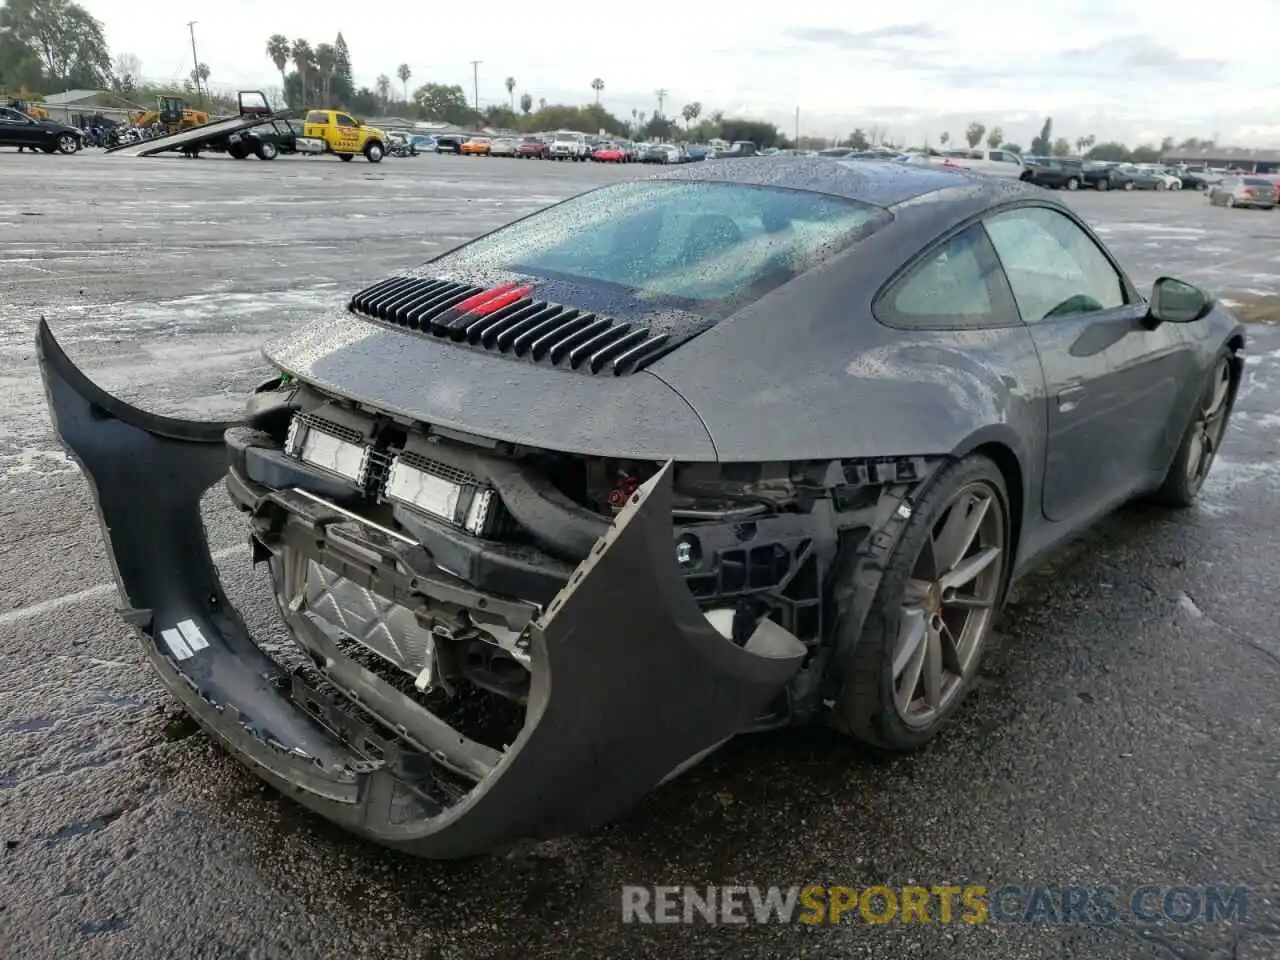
1099	67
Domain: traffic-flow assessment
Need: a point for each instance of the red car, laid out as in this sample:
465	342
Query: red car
609	153
532	148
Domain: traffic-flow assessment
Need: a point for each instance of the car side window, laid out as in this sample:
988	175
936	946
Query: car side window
956	285
317	116
1054	267
345	121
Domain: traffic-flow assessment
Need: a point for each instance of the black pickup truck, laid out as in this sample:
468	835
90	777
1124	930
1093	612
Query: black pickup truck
1054	172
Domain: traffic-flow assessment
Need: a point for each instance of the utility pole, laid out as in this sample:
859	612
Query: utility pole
475	87
195	63
662	98
797	128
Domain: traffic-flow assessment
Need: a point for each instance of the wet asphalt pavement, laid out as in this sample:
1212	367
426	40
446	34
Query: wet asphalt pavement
1124	733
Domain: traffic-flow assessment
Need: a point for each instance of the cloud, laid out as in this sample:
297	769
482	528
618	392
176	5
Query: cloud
864	39
1120	58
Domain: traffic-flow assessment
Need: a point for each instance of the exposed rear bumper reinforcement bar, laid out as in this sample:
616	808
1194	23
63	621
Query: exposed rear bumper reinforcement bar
629	679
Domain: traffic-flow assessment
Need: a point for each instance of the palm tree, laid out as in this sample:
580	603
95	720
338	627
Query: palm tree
597	85
404	73
383	86
302	55
526	104
326	66
511	92
691	112
201	77
542	103
278	53
945	138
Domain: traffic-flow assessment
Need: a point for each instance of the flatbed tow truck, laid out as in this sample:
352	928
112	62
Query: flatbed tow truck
260	131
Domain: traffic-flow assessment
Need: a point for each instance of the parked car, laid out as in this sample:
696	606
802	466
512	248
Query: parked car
836	153
1054	173
449	143
532	148
477	146
996	163
568	145
502	147
662	153
423	143
509	625
1200	177
1246	191
1096	174
1171	180
26	133
1125	176
695	152
609	153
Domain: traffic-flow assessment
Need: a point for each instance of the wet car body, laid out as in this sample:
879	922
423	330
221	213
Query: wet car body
639	523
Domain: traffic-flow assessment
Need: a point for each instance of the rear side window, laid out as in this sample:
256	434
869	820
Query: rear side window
317	116
957	285
707	247
1053	266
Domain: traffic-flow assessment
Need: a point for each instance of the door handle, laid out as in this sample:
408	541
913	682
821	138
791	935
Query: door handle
1070	398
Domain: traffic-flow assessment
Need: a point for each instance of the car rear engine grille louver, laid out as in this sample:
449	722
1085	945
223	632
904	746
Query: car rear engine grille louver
507	320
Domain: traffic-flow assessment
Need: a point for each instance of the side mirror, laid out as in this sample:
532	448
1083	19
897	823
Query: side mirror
1175	301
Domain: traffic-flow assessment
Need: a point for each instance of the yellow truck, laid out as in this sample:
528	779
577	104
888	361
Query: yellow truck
332	131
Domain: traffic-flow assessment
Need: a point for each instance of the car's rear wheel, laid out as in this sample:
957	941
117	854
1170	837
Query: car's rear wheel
67	143
1073	183
927	629
267	150
1128	184
346	157
1200	441
1104	184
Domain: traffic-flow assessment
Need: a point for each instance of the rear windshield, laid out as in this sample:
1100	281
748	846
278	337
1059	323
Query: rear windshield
706	247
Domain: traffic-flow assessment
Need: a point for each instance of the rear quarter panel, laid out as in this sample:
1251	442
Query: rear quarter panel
808	373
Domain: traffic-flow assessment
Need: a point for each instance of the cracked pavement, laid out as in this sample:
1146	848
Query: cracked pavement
1124	732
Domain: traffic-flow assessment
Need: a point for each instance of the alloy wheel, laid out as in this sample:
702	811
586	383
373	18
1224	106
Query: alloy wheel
948	604
1210	422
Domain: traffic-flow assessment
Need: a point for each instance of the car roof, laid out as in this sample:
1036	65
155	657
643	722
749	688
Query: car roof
883	183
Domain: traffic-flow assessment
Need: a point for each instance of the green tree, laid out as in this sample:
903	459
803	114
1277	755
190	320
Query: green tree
597	85
1111	151
1042	145
758	132
383	87
1144	153
1084	143
500	117
1012	148
858	140
1061	147
995	138
326	69
200	76
278	53
1167	145
691	112
344	83
443	102
526	104
973	135
303	56
945	138
59	35
404	73
510	84
126	73
365	102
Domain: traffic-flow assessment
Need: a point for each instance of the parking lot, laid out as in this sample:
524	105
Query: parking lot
1124	732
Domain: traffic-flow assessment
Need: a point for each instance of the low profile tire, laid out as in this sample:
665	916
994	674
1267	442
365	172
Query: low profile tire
373	152
1200	441
345	157
927	629
68	144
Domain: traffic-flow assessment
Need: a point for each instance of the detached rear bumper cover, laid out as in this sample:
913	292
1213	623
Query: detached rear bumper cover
629	678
